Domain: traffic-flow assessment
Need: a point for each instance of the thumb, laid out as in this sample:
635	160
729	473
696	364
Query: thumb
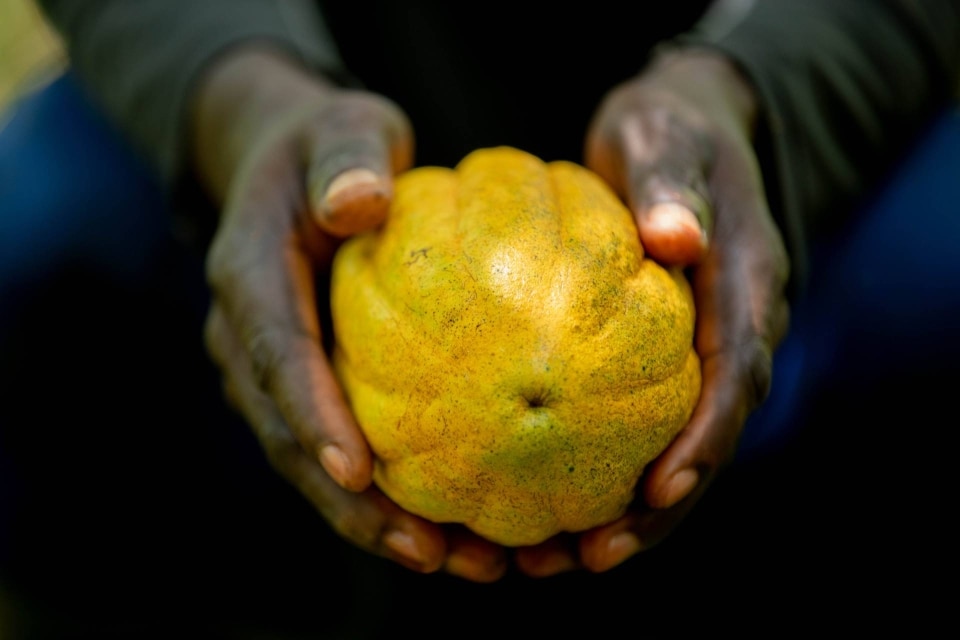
667	192
674	231
352	154
354	200
660	168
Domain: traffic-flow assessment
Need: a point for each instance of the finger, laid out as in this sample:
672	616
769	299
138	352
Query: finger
609	546
708	442
606	547
473	558
733	341
352	152
658	162
552	557
264	282
368	520
665	172
742	315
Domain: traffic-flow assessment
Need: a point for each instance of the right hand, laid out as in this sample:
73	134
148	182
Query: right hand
297	164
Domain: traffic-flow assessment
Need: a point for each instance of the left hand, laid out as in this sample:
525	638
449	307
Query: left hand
675	142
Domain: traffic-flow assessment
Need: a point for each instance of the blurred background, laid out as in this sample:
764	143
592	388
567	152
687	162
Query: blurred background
30	56
30	53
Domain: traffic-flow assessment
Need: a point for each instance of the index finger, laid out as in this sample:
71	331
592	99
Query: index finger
263	275
742	314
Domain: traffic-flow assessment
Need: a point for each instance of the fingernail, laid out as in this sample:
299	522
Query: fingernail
403	544
336	463
674	217
680	486
350	179
354	201
622	546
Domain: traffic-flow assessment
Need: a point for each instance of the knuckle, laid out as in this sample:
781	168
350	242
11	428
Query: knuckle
230	261
282	453
212	342
346	522
215	266
758	367
771	262
231	394
268	356
277	348
356	110
352	525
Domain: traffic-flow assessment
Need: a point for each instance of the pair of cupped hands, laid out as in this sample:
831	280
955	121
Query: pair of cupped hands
297	163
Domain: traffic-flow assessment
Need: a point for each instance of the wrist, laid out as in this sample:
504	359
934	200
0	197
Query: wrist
242	95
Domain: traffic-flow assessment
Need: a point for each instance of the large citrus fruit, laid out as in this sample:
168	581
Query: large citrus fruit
513	359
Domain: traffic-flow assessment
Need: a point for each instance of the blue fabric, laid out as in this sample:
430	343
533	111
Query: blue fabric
884	295
71	189
74	199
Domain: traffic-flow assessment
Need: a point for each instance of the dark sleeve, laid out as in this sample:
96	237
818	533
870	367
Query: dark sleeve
845	86
139	58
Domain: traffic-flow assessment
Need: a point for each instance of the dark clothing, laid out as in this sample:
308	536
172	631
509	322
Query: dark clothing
845	85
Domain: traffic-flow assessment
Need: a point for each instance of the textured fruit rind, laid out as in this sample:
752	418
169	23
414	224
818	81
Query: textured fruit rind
510	355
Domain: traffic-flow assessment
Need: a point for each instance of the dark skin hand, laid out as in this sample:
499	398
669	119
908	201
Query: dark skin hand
676	144
297	164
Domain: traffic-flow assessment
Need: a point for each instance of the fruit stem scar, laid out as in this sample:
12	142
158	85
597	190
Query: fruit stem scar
535	400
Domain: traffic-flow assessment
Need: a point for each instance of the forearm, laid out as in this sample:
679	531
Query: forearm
843	87
140	60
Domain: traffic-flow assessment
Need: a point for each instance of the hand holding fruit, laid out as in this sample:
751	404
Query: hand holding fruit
507	248
676	144
296	164
513	357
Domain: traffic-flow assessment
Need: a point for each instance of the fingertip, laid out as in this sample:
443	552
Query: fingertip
671	233
545	562
551	557
404	547
477	562
604	548
619	549
674	489
344	472
356	200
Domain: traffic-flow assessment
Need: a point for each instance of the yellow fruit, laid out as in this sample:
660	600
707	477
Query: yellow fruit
512	358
